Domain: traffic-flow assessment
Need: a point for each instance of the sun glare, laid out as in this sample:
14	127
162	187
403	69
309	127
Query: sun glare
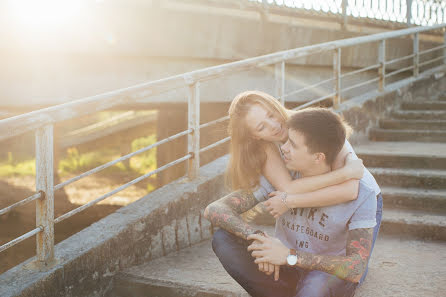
44	15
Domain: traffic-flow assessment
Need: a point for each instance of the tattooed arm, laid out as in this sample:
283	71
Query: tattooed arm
225	212
349	267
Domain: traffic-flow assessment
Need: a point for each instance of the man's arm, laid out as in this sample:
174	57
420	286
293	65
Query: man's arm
350	267
225	212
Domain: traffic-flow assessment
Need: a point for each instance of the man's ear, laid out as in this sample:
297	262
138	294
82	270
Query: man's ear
319	157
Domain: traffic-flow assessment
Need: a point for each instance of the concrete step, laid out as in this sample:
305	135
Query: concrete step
397	268
402	161
410	178
413	124
419	115
376	134
424	105
432	201
398	148
412	224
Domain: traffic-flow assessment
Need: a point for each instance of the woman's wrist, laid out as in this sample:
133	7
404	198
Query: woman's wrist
284	199
292	200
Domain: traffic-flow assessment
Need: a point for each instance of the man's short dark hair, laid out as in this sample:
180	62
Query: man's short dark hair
324	131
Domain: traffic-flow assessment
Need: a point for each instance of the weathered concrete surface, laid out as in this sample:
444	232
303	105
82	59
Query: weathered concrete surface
398	268
377	134
164	221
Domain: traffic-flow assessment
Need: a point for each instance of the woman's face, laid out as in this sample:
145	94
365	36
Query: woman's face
265	125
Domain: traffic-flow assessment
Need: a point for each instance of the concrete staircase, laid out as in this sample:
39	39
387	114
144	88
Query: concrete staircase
407	156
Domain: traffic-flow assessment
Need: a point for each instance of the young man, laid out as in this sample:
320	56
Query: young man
320	251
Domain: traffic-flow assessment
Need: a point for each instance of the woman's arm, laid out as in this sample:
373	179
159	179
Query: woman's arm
344	192
277	174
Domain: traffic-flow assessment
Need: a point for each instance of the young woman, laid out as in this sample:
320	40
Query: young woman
257	127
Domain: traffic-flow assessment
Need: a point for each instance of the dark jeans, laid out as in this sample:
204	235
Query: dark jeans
293	281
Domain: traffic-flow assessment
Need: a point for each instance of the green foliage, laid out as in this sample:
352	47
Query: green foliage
17	168
144	162
76	162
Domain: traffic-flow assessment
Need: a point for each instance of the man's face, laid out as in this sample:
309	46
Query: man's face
296	155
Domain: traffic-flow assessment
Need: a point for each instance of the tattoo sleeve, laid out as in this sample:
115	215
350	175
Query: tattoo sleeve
349	267
225	212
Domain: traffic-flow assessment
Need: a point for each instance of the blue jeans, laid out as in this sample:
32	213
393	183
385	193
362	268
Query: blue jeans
293	281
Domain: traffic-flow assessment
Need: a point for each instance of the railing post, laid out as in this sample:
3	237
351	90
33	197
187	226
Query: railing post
444	43
279	73
193	139
45	205
382	64
416	58
337	77
409	11
344	12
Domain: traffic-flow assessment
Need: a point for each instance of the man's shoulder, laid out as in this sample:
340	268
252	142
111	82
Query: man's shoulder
365	191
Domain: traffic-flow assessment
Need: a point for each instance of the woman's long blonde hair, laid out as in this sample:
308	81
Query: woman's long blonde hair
247	154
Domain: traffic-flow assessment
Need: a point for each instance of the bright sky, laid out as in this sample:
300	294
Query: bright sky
39	16
424	12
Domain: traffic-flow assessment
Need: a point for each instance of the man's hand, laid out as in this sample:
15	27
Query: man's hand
269	249
275	205
354	168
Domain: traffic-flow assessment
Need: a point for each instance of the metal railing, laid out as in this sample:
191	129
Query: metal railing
41	122
411	12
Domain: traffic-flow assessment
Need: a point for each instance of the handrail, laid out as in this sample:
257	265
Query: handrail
123	158
119	189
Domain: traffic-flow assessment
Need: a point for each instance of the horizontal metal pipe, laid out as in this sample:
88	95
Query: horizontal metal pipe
430	61
21	202
102	167
123	187
222	119
360	70
309	87
432	49
21	238
399	71
360	84
206	148
400	59
30	121
314	101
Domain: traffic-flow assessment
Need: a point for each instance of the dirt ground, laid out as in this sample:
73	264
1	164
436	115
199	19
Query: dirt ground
22	219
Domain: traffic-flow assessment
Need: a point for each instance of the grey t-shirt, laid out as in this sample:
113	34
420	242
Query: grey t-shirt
324	230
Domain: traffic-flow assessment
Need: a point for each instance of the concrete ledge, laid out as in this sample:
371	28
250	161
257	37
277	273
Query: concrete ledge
164	221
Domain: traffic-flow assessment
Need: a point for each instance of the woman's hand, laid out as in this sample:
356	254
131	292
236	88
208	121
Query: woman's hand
268	249
275	204
355	168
